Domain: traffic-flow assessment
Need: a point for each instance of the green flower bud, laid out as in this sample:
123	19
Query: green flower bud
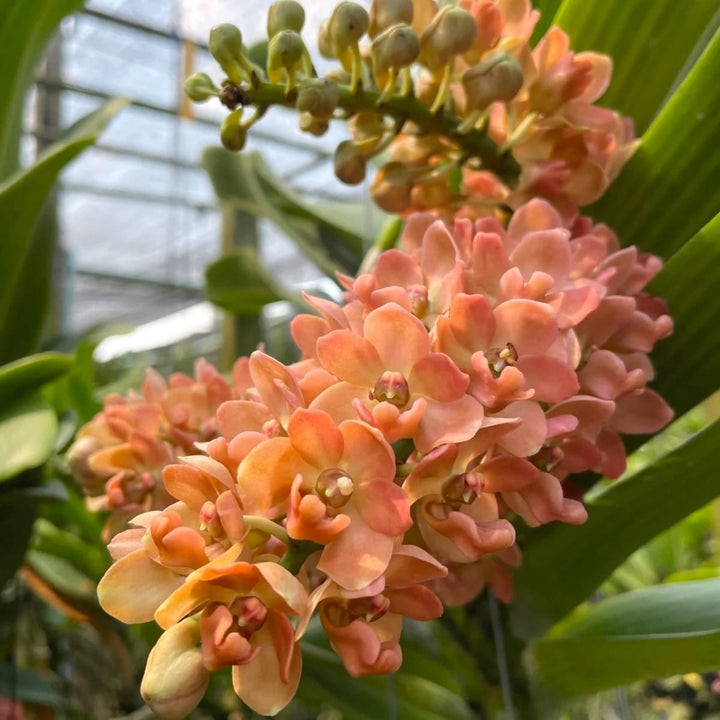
285	51
498	78
199	87
232	132
451	32
350	165
348	23
384	13
314	125
318	97
396	47
324	42
285	15
227	48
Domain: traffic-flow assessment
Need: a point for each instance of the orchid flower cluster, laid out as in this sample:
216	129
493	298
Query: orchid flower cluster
456	390
473	118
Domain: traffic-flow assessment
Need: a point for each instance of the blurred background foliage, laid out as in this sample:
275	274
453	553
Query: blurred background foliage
600	611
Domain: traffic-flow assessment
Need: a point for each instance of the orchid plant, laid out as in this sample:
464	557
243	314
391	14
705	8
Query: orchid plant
460	395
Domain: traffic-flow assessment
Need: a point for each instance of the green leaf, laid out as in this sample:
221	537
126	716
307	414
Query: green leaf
658	631
27	435
564	564
326	234
25	27
669	190
29	373
63	577
27	686
238	282
21	200
548	10
688	363
664	33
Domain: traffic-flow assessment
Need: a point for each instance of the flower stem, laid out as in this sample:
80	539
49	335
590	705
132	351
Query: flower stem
474	144
256	522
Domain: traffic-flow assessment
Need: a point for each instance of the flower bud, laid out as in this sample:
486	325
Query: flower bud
175	677
432	194
324	42
314	125
199	87
227	48
396	47
451	32
348	23
285	51
391	188
285	15
367	128
498	78
232	132
350	165
384	13
318	97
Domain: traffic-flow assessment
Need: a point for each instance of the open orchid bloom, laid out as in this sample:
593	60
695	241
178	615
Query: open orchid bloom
436	413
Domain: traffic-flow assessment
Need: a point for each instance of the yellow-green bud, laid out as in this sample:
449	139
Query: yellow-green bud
314	125
348	23
232	132
384	13
318	97
350	165
199	87
396	47
324	42
498	78
227	48
285	15
175	676
285	51
452	32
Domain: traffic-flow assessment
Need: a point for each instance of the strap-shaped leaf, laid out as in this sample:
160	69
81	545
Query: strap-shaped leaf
658	631
29	373
664	33
237	282
669	190
25	26
688	363
21	200
564	564
27	435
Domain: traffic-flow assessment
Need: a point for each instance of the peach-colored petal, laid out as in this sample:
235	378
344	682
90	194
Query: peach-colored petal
529	325
259	683
384	507
316	438
436	376
420	604
530	435
640	412
400	339
449	422
551	380
366	456
135	586
350	357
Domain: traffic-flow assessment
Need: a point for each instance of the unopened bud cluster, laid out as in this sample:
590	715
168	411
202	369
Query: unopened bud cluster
482	120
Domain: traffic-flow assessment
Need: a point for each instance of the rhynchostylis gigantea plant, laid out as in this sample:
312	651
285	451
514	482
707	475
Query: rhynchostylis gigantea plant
463	390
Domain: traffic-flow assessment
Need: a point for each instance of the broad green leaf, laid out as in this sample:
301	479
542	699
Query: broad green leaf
29	373
238	282
669	190
688	363
658	631
25	27
27	435
63	577
21	200
548	10
91	560
27	686
664	33
327	234
564	564
325	679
